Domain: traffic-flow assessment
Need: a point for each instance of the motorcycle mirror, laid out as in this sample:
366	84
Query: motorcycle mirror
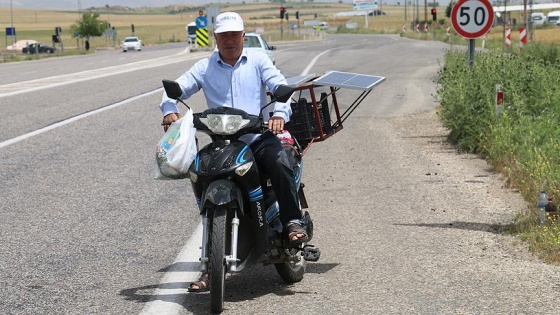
173	90
283	93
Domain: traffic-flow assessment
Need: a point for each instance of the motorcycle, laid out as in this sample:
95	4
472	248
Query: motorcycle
240	214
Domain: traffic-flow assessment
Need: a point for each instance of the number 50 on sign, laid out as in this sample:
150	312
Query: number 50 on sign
472	18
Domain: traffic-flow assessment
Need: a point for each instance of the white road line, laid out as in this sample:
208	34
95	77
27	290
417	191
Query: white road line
169	297
306	71
60	80
75	118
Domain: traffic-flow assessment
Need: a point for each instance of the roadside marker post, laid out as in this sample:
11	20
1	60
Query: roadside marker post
201	31
499	99
522	37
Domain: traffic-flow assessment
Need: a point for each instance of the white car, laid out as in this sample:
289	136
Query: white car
323	26
133	43
21	44
254	41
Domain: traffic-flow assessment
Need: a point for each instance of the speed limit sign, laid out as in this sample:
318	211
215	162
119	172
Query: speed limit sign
472	18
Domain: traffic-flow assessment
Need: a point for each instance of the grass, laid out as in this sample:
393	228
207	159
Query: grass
521	141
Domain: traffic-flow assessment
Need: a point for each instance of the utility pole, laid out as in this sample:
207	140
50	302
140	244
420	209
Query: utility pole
531	25
405	2
504	20
417	13
12	25
525	13
426	11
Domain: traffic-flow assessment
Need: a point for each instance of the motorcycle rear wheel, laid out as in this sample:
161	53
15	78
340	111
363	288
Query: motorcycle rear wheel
291	272
217	260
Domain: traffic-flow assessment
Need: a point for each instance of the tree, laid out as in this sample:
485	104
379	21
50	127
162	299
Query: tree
448	9
88	26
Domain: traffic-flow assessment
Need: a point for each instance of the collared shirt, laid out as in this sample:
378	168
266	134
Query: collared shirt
240	86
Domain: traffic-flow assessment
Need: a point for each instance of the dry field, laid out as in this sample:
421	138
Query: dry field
161	28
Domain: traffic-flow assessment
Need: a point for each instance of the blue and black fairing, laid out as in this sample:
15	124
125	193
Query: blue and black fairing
219	160
218	184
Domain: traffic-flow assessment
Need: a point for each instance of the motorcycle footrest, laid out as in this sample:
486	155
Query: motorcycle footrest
311	253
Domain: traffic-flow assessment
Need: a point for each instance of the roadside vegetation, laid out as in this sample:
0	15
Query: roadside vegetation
520	140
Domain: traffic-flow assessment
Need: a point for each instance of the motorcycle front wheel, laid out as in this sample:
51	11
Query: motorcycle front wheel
217	260
292	272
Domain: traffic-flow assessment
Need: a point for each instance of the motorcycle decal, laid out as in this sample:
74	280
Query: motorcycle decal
198	201
256	194
240	159
298	173
272	212
196	162
259	214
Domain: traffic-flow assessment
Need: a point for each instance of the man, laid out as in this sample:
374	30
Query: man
238	78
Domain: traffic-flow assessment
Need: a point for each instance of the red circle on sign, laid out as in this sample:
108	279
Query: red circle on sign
468	26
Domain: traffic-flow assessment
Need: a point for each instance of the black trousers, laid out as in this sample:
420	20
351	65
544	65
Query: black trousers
273	161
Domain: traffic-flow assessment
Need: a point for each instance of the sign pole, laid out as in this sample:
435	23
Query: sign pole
471	52
12	25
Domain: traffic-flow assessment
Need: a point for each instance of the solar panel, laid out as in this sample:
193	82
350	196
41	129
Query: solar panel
348	80
295	81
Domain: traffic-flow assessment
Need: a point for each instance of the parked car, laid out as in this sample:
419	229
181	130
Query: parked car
32	49
376	13
133	43
553	17
191	32
254	41
538	18
20	44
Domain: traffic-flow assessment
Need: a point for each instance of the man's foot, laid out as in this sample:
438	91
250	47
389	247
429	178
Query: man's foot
296	234
201	285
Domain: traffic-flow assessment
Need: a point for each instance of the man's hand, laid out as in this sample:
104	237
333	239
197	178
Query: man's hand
168	119
276	124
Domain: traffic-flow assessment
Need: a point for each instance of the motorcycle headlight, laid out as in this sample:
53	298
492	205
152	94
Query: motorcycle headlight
224	124
242	170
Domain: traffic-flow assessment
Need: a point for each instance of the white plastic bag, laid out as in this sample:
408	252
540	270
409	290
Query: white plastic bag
177	149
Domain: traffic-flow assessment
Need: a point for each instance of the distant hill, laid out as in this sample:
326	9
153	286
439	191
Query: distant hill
72	5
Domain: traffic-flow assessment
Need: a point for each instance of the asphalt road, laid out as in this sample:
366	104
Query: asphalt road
406	225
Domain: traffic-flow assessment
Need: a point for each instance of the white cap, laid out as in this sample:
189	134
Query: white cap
228	22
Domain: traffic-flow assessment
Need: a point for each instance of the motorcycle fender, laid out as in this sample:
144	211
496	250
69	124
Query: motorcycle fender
222	192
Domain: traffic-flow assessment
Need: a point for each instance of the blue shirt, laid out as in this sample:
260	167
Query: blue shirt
240	86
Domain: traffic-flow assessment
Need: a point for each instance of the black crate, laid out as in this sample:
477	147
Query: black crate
303	125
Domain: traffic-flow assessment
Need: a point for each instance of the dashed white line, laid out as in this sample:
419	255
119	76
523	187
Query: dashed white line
167	298
73	119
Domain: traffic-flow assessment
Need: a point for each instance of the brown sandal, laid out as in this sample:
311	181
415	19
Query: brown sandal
202	284
294	231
